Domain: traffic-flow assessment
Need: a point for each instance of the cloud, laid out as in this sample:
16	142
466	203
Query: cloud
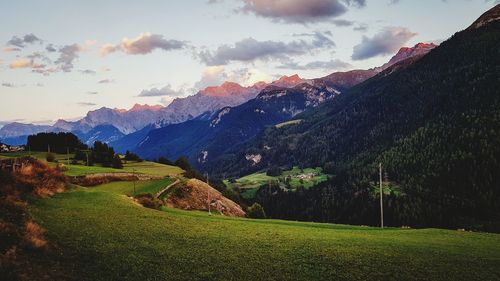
25	63
361	27
11	49
86	104
40	63
211	76
217	75
145	43
335	64
342	23
386	42
106	81
165	91
50	48
21	42
248	50
87	71
92	93
8	85
67	54
299	11
20	63
108	49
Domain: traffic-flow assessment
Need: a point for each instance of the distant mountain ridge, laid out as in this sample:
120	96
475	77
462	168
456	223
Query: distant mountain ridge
139	116
204	139
205	102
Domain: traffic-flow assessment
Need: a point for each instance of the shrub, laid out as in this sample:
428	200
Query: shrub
256	211
149	201
117	162
273	172
165	161
129	156
50	157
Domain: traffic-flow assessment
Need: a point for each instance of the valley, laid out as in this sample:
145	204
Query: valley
250	140
131	242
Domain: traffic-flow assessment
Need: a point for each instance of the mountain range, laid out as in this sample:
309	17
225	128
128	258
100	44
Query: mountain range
139	116
127	128
207	137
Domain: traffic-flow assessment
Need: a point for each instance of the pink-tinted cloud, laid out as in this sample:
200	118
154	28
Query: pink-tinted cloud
299	11
145	43
25	63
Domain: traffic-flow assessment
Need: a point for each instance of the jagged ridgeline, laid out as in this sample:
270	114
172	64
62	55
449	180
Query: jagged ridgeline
434	124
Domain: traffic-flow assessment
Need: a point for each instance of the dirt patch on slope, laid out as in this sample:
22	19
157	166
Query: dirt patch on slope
195	194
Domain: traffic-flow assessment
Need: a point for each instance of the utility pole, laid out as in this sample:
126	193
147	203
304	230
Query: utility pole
67	156
381	201
133	173
208	194
48	148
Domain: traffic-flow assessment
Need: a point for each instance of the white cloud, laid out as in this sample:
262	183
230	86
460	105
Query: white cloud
386	42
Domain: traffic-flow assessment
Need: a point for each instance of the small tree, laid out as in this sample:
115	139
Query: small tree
164	160
274	171
117	162
50	157
256	211
129	156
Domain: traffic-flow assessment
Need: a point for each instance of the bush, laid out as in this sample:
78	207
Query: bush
117	162
183	163
149	201
164	160
256	211
273	172
129	156
50	157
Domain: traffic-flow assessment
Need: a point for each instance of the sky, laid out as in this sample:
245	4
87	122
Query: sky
61	59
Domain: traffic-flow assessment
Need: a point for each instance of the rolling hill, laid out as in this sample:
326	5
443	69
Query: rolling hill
99	233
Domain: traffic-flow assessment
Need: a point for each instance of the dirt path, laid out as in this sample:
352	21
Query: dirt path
167	188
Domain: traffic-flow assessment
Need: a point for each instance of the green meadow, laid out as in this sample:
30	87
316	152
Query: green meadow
102	235
248	185
145	167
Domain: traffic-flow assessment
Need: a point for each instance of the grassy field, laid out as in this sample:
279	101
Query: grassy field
144	167
102	235
249	184
127	188
288	123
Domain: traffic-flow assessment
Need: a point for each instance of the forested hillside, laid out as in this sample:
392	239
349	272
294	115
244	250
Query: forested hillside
435	126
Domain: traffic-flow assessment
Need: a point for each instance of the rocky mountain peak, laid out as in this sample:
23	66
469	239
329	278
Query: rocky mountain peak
409	52
288	81
139	107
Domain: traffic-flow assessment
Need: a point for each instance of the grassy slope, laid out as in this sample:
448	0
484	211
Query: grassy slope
127	188
145	167
253	181
102	235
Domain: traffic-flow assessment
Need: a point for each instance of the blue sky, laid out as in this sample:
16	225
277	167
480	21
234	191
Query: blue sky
60	59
